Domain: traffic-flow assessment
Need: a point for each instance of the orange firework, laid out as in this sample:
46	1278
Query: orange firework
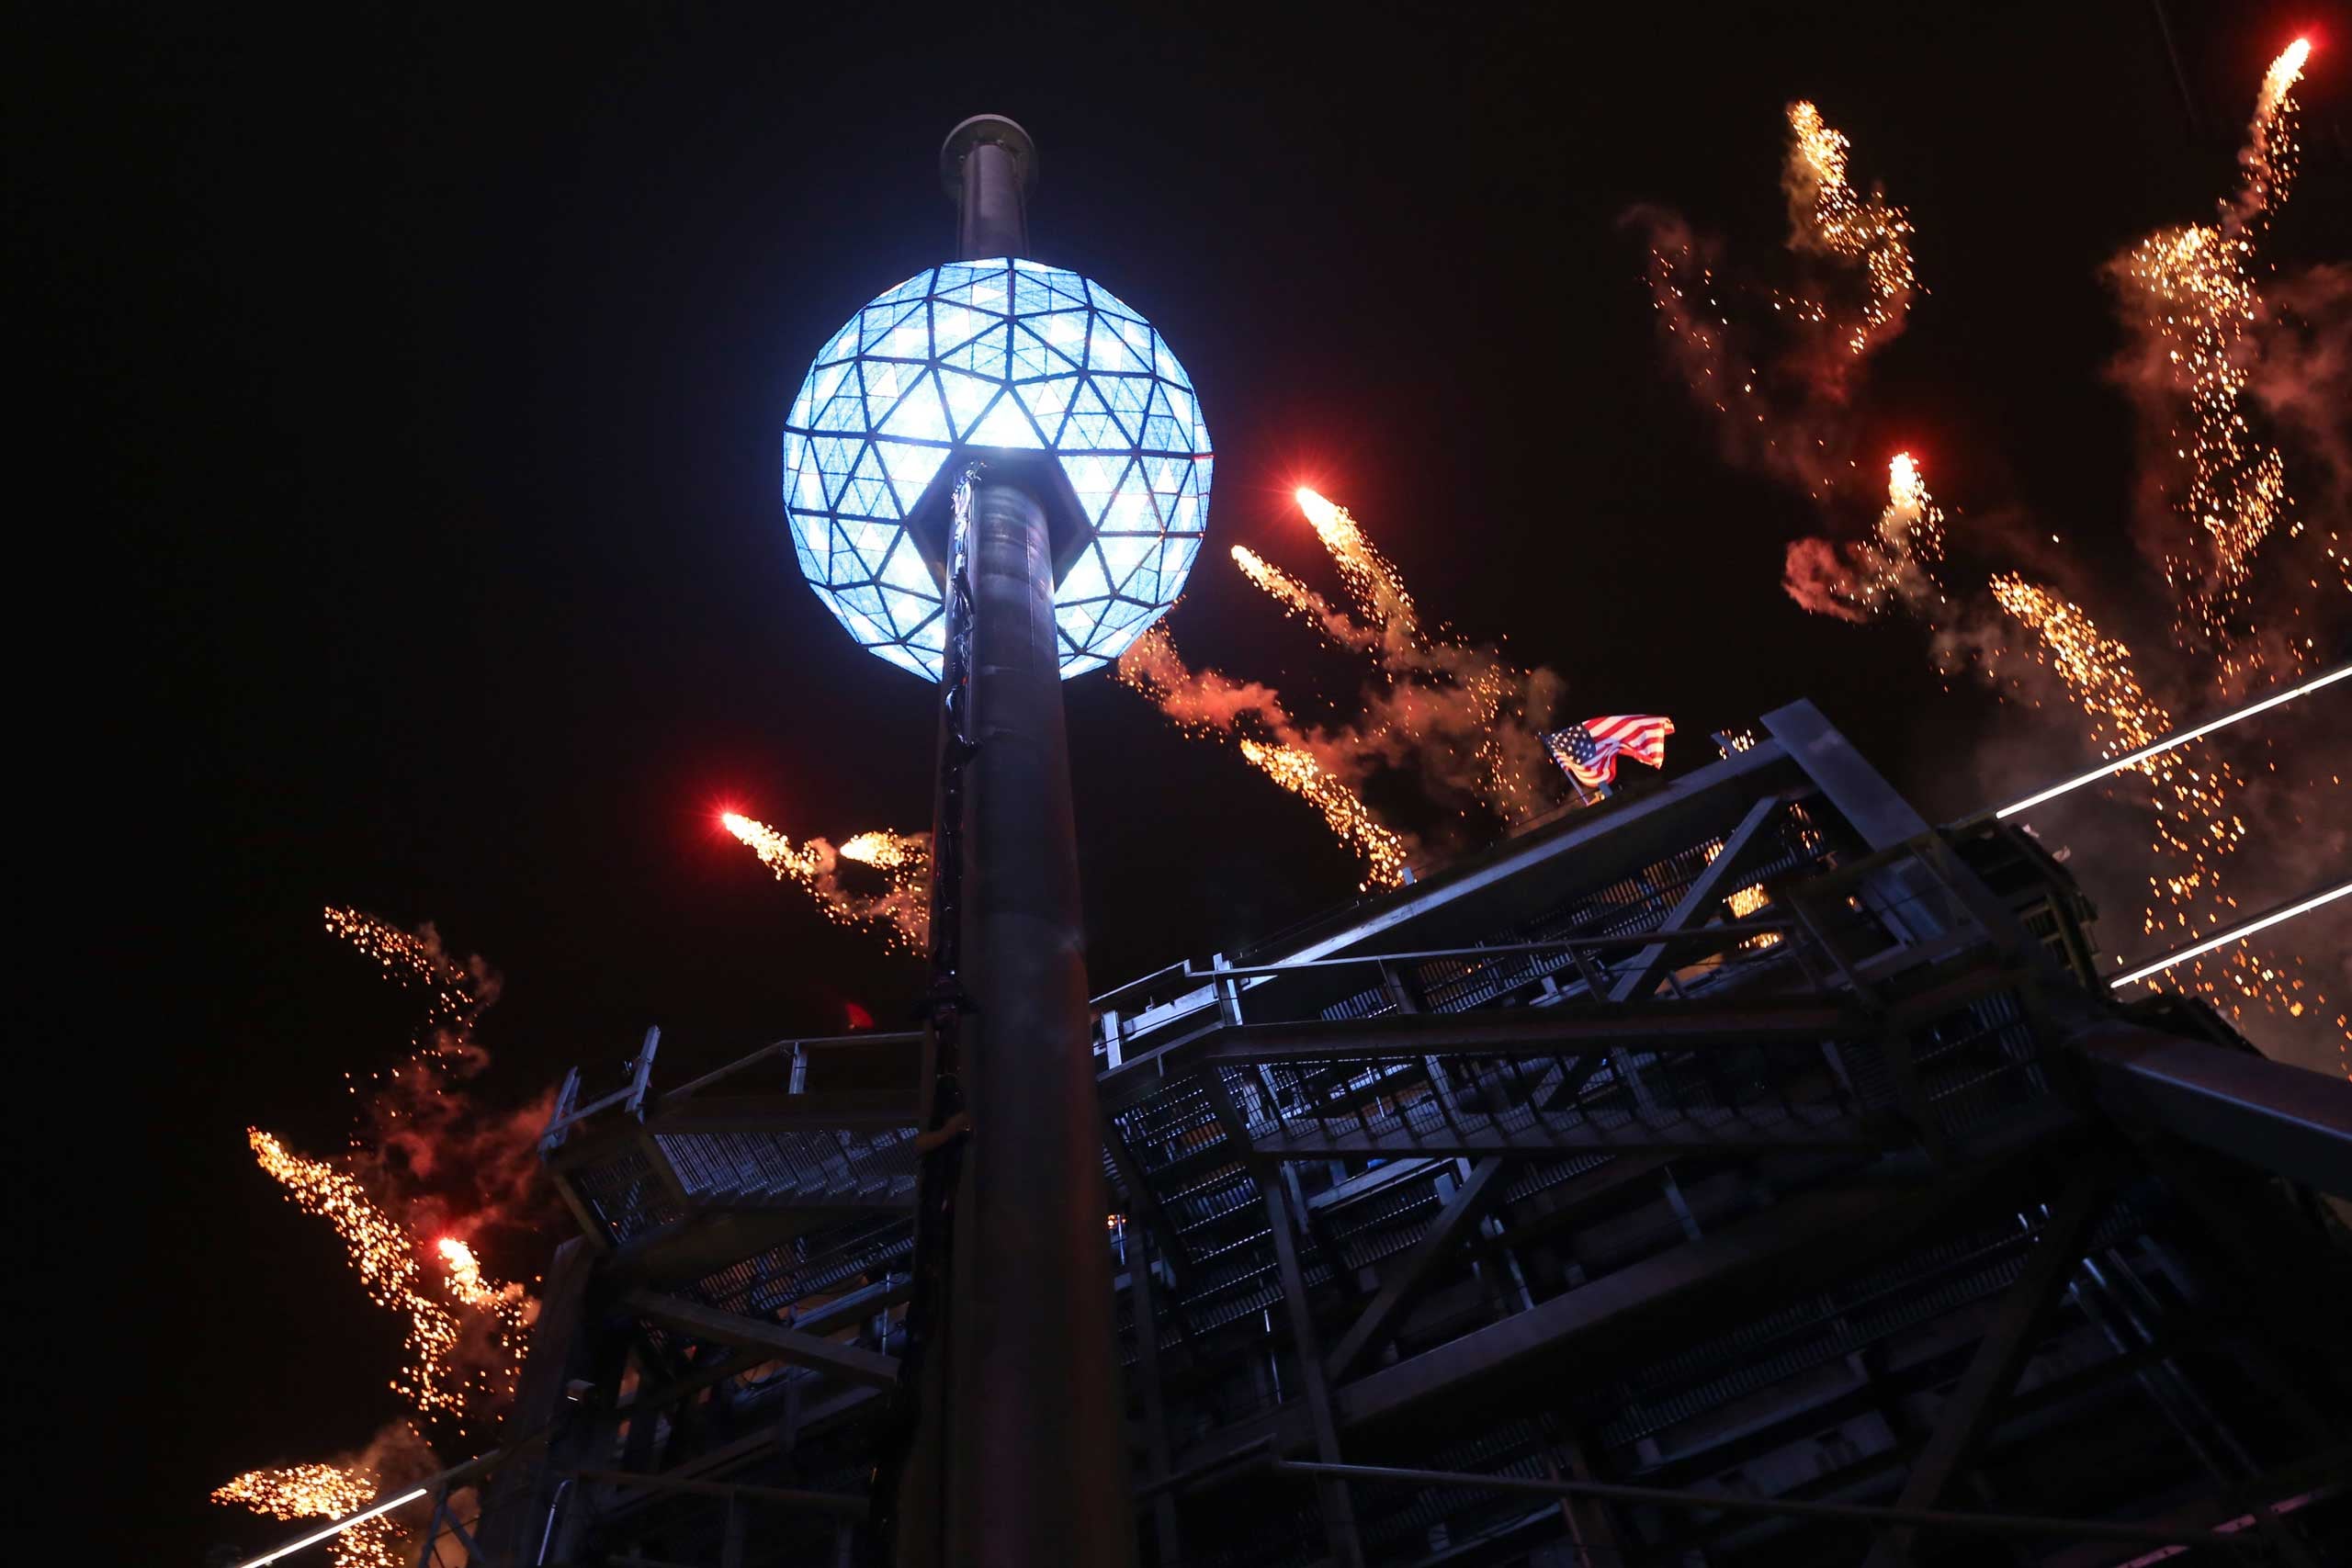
2194	297
2196	825
1304	601
1827	216
1892	570
322	1492
886	851
382	1253
1370	580
1297	771
455	996
900	911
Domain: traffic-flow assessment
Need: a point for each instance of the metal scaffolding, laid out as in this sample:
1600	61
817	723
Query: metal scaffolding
1742	1172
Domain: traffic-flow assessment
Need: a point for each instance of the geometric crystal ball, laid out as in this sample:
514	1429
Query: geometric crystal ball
1028	368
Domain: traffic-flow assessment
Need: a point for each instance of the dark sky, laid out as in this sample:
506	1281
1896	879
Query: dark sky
423	371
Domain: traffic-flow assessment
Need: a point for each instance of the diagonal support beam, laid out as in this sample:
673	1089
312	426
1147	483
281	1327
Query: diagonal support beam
1273	1183
1705	889
1460	1211
2000	1356
2272	1115
849	1362
1143	1201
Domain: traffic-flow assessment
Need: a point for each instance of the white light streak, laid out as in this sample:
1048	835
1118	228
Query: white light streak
2106	769
2239	933
334	1530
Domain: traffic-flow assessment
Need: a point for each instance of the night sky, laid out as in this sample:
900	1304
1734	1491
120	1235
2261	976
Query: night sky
426	371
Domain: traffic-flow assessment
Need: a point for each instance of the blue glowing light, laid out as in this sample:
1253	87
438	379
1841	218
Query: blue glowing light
996	356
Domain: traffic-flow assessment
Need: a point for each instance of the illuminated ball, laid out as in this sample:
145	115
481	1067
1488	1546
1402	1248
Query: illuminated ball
982	358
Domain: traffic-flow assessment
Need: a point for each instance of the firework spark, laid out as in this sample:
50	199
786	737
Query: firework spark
456	993
1383	849
1827	217
1777	365
1467	722
900	911
1470	721
2196	822
322	1492
1319	765
2193	304
1372	581
449	1326
1895	568
1304	601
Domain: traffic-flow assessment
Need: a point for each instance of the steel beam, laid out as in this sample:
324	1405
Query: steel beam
1142	1299
1845	1223
1459	1212
1338	1508
1143	1200
1541	1032
2280	1267
1694	1132
850	1363
1706	888
1882	817
785	1114
1602	844
2273	1116
2018	1321
563	1346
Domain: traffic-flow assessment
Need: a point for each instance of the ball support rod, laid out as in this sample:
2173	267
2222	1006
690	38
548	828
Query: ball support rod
1019	1453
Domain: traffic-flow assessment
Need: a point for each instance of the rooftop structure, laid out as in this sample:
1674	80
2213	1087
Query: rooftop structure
1743	1172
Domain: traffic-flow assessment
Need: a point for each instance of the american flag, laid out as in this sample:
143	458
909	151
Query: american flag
1589	750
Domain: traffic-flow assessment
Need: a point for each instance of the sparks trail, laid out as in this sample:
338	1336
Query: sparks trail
1304	601
2196	311
900	911
1468	721
322	1492
1894	568
2190	794
1465	722
1781	394
2199	320
1827	217
463	1350
1374	585
1321	766
386	1202
2196	822
456	993
1382	848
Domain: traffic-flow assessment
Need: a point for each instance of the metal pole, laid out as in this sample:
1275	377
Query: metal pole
1025	1450
988	165
1037	1440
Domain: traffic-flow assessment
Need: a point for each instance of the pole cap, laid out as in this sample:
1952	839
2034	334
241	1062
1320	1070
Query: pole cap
985	129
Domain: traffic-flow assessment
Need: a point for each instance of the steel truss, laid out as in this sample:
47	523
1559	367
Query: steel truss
1740	1172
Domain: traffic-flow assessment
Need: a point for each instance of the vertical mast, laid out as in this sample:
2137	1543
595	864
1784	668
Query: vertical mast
1023	1457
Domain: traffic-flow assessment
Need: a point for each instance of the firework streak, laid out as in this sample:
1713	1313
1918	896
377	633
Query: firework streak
2191	298
900	911
1468	723
440	1314
462	1353
1383	849
322	1492
1782	407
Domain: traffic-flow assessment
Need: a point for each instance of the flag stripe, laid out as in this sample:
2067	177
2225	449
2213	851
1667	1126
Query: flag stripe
1589	752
